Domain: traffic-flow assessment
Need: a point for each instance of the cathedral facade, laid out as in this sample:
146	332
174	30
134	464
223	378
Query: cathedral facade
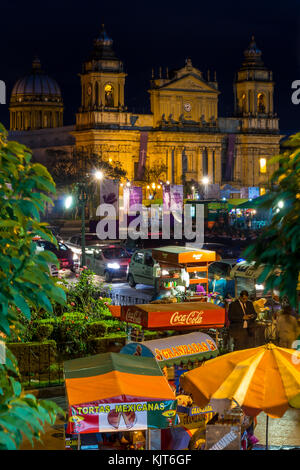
183	131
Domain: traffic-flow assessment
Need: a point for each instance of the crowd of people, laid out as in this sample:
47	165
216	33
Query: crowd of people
241	318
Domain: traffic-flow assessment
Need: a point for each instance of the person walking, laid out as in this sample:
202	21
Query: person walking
287	327
241	316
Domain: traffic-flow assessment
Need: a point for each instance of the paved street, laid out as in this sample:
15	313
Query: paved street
119	288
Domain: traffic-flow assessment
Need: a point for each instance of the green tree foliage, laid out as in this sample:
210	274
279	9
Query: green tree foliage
25	282
279	244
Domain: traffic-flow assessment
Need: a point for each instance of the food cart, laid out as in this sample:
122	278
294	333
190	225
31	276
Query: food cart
176	355
180	316
117	393
183	263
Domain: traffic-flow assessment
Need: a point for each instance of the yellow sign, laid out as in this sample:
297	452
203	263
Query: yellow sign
169	413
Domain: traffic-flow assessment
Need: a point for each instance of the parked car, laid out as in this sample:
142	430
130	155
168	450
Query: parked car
65	255
147	244
91	239
108	260
143	269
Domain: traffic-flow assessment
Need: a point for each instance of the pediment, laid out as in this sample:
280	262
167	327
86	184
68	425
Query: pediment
189	82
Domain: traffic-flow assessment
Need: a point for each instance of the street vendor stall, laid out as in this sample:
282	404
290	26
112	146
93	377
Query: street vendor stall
176	261
117	393
174	316
175	356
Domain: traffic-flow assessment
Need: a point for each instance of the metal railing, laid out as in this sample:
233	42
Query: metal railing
120	299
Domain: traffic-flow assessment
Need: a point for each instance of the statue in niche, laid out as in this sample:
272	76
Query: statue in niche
109	96
261	103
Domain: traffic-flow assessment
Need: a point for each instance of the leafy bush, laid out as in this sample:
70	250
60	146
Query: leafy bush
96	329
43	331
25	283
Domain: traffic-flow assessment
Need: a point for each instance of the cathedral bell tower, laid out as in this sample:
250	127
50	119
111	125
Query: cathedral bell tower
253	86
102	78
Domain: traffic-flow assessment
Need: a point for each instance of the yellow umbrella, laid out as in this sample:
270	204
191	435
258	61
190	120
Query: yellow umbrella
266	379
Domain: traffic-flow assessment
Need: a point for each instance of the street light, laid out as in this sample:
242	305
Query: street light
205	181
99	175
83	194
68	202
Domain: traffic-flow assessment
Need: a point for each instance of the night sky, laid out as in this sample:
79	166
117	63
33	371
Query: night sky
146	34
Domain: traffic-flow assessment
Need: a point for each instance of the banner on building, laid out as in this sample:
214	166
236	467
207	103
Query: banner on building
109	193
176	197
135	195
213	191
142	155
253	192
244	193
166	197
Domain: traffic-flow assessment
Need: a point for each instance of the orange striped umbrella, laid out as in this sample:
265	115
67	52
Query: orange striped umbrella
266	379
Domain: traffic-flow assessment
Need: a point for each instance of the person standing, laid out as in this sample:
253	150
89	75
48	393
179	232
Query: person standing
241	316
287	327
217	285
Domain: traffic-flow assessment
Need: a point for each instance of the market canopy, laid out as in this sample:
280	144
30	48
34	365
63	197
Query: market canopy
175	316
266	378
111	391
175	350
182	255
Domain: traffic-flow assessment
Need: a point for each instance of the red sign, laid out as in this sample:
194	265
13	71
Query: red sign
181	316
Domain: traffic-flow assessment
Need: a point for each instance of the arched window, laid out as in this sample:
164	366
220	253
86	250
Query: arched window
109	95
243	102
261	103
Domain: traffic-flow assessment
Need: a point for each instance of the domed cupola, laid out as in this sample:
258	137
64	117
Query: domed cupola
36	101
252	57
103	57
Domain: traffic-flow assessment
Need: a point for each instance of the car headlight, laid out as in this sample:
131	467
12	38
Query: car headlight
113	265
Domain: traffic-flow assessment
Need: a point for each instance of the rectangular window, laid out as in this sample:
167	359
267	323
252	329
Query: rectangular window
263	165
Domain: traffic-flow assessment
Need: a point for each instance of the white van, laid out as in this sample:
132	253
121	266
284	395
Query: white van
143	269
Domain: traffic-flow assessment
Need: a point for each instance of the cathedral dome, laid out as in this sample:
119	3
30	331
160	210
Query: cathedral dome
36	101
36	86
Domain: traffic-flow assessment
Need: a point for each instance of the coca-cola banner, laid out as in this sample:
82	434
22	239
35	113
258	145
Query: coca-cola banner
179	316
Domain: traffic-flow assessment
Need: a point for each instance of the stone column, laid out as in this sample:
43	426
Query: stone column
256	170
218	165
210	156
178	166
169	163
199	164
